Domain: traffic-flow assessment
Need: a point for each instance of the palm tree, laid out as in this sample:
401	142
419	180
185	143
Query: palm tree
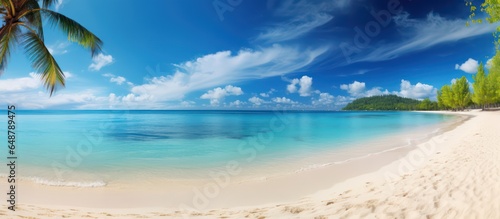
22	25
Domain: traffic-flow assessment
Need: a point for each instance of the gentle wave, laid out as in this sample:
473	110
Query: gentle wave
409	143
47	182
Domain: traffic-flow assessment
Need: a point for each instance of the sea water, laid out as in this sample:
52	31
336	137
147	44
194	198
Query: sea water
95	148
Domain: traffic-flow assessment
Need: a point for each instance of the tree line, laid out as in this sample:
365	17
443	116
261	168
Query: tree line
485	89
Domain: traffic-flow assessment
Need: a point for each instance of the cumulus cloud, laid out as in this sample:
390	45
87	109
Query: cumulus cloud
37	99
100	61
489	63
358	89
376	91
417	91
237	103
218	94
267	94
20	84
355	89
187	103
292	87
256	101
302	86
324	99
283	100
68	75
116	79
470	66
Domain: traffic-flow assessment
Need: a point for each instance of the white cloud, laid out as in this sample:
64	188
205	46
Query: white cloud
295	28
21	84
355	89
470	66
292	87
100	61
358	89
68	75
237	103
417	91
134	98
256	101
376	91
218	94
324	99
225	68
283	100
299	18
489	63
58	48
116	79
422	34
304	84
187	103
37	99
267	94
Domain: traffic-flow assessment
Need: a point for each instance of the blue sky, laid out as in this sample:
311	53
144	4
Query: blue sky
259	54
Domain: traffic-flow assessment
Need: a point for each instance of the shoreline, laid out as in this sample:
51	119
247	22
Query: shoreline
319	156
325	173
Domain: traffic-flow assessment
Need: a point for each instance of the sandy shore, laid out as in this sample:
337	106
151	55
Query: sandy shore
452	175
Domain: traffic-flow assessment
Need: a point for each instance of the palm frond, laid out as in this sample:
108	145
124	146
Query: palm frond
76	32
34	18
7	4
8	38
43	61
48	3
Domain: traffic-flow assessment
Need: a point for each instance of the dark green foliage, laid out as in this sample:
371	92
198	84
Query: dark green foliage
390	102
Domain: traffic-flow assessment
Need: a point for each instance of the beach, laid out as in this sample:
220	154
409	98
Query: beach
451	175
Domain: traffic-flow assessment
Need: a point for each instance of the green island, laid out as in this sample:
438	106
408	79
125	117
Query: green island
391	102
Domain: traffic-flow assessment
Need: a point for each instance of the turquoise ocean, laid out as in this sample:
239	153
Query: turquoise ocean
96	148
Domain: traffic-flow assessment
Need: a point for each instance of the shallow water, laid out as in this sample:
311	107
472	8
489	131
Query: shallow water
93	148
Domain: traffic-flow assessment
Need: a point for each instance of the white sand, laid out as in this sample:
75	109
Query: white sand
453	175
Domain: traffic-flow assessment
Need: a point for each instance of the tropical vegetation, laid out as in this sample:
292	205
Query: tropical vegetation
23	26
486	85
391	102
